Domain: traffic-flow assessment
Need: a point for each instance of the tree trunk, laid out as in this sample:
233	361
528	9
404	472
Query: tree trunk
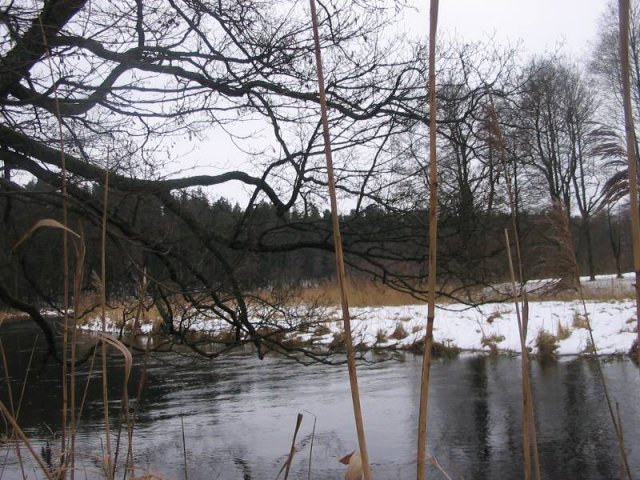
586	225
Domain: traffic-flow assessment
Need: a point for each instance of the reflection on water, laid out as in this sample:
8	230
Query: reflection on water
239	414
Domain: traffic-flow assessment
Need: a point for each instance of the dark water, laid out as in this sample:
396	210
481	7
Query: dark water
239	414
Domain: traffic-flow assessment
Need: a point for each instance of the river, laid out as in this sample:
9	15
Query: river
239	414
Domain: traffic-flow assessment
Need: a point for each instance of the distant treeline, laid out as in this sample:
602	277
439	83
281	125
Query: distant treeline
262	247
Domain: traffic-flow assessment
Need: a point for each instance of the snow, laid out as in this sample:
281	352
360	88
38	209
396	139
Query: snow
469	328
606	285
466	327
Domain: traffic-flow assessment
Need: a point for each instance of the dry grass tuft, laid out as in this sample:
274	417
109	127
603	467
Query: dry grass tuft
491	342
580	321
494	316
381	336
337	342
321	330
445	349
547	344
399	332
590	348
562	332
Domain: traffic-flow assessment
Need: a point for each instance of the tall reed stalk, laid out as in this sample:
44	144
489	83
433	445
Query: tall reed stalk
433	237
77	288
529	432
65	257
634	211
142	290
103	307
337	241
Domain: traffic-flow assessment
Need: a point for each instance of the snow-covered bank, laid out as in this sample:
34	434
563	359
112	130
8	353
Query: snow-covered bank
613	325
492	326
604	285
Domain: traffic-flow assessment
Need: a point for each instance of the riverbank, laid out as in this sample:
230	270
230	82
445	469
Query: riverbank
492	328
557	326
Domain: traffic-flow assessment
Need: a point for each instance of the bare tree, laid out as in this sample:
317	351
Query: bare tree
559	141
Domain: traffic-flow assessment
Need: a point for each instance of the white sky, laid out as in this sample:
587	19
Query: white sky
540	24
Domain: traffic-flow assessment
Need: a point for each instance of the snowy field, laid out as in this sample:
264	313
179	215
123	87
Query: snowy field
484	328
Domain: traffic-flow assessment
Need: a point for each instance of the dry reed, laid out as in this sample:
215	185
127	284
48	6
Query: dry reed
433	236
65	249
529	433
292	451
362	293
103	306
337	240
632	159
184	449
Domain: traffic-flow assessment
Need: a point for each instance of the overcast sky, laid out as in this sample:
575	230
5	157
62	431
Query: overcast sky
540	24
